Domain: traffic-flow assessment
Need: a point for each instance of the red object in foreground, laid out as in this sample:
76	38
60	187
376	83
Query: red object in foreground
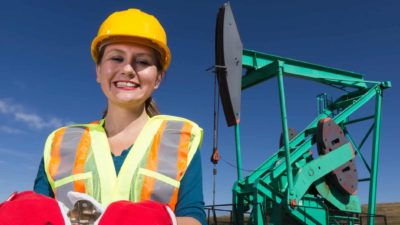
143	213
30	208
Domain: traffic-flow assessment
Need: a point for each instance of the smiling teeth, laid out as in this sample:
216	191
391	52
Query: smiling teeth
126	84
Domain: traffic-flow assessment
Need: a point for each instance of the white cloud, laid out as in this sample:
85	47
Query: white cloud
32	120
6	107
10	130
14	153
38	122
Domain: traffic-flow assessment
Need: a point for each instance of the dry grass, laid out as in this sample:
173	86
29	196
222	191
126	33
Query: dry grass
390	210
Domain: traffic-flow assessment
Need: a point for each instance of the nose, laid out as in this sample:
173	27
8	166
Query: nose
129	70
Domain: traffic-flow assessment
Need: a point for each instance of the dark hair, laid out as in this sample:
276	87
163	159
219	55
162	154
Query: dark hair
150	105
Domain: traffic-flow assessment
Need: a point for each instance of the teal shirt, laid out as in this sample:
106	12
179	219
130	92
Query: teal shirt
190	197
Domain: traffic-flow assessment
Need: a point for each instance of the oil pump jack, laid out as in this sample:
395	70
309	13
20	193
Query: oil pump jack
294	186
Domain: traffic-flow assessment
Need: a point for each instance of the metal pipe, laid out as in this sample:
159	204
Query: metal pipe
366	136
358	151
285	131
375	158
238	152
364	179
359	120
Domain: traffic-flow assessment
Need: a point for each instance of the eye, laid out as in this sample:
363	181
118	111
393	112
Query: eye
143	62
117	59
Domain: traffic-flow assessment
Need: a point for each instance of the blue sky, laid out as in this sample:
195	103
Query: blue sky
48	77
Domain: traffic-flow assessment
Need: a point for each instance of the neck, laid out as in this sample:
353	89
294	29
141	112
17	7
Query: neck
120	119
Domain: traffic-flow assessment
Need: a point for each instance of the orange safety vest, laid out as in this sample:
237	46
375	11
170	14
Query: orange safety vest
78	158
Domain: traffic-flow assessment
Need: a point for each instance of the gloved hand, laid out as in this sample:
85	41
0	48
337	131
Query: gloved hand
86	209
30	208
35	209
142	213
76	196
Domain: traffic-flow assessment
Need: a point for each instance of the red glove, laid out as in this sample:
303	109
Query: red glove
143	213
30	208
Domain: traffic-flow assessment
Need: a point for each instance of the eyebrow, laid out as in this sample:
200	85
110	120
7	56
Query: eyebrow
121	51
114	50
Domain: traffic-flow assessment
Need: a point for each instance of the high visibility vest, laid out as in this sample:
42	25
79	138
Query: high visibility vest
78	158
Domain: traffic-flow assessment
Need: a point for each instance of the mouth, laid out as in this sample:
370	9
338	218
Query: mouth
127	85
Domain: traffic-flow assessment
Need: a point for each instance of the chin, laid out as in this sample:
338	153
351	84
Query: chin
129	102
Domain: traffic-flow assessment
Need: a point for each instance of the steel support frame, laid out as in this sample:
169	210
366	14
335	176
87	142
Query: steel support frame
262	67
375	158
264	173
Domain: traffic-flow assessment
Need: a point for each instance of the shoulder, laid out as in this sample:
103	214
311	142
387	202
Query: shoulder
175	118
71	129
191	132
66	136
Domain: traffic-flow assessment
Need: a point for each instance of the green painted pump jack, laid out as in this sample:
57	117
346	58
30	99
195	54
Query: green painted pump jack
293	186
280	187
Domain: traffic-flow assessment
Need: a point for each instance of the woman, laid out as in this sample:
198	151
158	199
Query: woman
133	153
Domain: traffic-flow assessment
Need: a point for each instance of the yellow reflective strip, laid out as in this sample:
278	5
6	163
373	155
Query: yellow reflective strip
55	156
197	133
183	150
104	164
48	147
80	159
159	176
47	157
152	162
101	122
72	178
138	151
133	159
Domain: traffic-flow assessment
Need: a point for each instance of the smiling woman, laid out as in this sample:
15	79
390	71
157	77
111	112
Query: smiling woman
133	166
128	74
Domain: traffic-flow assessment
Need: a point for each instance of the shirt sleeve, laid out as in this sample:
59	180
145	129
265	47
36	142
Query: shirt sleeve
190	196
42	185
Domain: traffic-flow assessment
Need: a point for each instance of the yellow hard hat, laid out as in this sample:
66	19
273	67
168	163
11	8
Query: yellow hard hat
133	25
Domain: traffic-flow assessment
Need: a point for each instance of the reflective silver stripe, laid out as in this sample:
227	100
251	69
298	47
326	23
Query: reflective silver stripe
61	194
167	160
68	148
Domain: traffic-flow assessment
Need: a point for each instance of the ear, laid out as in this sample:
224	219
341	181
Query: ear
160	76
98	73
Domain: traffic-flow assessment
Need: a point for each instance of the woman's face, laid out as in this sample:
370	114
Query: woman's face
128	74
